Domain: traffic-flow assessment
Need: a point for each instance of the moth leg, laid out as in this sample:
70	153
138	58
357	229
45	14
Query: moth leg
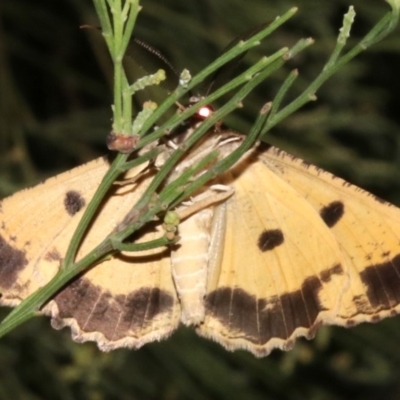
201	202
134	179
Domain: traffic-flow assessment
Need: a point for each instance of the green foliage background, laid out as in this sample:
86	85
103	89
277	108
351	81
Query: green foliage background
55	91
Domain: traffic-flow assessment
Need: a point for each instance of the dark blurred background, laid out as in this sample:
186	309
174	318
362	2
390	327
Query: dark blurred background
55	95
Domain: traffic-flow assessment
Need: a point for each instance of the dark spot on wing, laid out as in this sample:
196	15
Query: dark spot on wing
260	319
382	283
360	301
326	274
332	213
264	147
350	323
52	255
379	200
376	318
115	316
73	202
12	261
270	239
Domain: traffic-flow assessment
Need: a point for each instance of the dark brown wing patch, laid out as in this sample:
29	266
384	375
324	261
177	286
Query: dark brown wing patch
270	239
259	320
73	202
115	316
332	213
327	274
53	255
12	261
382	282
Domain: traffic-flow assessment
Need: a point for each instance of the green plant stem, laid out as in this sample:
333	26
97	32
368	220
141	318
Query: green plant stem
238	81
225	58
380	30
108	180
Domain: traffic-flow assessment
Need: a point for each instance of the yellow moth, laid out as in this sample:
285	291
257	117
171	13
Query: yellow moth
287	249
